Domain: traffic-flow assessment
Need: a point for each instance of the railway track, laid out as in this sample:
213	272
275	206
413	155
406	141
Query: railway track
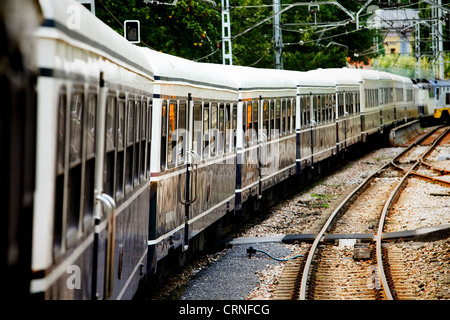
362	266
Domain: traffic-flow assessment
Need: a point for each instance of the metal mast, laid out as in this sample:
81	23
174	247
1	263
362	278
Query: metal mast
441	43
417	51
277	38
227	52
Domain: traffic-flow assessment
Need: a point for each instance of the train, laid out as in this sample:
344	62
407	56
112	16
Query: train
435	95
121	157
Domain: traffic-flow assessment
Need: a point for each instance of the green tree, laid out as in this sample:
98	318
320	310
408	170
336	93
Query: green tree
192	29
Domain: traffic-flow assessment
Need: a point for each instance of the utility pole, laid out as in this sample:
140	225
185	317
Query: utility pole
417	51
441	43
277	37
227	51
437	43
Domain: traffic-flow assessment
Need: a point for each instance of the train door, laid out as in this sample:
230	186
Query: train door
104	205
189	195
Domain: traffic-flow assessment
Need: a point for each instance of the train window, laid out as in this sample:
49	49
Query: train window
59	185
172	134
349	102
332	106
197	134
373	98
249	127
214	116
75	171
61	131
91	124
294	113
282	116
266	118
89	170
277	117
109	169
120	145
121	124
213	135
110	122
234	125
74	203
137	119
76	112
130	121
142	141
182	134
318	108
129	155
255	121
89	180
447	98
304	106
358	102
137	137
313	105
144	119
289	115
221	134
244	124
206	130
228	130
163	135
367	98
149	135
270	130
341	102
323	108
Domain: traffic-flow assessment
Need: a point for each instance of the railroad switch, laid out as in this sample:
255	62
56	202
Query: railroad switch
361	251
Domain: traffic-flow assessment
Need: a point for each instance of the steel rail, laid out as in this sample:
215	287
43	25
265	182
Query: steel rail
346	202
390	201
433	145
378	241
411	146
329	224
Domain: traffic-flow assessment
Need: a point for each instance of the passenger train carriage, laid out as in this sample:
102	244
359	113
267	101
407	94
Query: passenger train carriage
93	158
139	152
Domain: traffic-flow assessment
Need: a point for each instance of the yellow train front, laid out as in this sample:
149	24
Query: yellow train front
441	94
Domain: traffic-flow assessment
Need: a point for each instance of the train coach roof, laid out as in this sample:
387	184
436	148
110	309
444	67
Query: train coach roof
176	69
402	79
249	78
341	76
308	79
80	27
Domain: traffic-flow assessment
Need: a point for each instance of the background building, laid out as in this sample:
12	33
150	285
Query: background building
397	29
